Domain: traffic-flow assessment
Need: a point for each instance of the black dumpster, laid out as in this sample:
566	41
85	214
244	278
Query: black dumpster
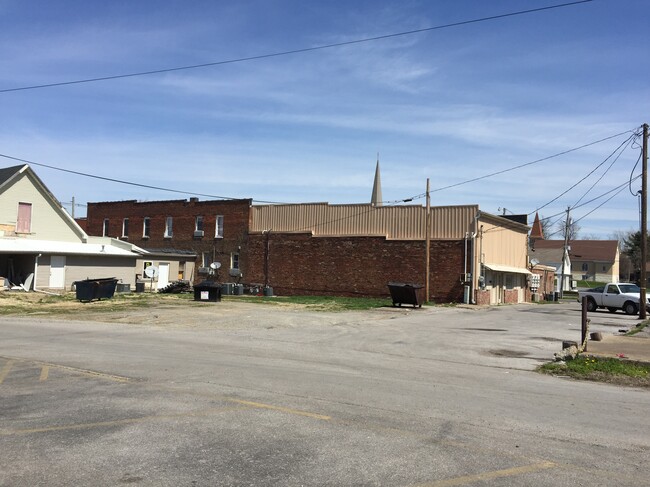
405	293
90	289
207	291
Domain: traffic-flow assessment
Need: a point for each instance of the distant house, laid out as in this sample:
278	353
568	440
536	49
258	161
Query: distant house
41	246
553	259
591	260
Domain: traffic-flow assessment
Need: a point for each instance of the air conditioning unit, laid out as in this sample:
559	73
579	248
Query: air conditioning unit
198	233
204	270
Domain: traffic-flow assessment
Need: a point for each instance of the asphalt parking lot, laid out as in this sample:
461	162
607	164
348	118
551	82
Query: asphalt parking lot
432	397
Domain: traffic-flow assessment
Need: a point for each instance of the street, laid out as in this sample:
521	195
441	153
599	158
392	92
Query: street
436	396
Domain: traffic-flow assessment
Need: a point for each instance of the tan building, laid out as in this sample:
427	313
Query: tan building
356	249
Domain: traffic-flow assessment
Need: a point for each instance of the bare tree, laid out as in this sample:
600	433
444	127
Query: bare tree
573	228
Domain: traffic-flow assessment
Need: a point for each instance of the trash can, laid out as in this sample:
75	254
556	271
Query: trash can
90	289
238	289
207	291
123	288
268	291
406	293
226	288
139	287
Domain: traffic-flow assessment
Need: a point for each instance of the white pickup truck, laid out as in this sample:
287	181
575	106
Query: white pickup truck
613	296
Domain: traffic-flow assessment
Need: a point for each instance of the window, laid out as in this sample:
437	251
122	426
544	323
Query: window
585	267
206	259
168	227
198	226
105	228
510	281
146	227
125	228
218	231
604	268
234	260
24	221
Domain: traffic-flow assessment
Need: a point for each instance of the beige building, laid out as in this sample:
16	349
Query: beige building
42	247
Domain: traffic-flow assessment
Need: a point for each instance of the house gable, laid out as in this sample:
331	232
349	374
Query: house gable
22	191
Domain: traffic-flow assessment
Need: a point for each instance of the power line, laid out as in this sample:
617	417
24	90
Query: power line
486	176
582	179
297	51
130	183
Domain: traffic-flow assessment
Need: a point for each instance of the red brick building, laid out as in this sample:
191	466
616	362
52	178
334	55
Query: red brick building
216	231
317	248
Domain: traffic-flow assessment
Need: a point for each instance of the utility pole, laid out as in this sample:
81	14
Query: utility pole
644	225
428	240
566	250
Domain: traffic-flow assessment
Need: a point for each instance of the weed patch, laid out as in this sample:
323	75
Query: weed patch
610	370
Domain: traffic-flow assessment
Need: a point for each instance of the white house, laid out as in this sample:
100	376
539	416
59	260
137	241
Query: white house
42	247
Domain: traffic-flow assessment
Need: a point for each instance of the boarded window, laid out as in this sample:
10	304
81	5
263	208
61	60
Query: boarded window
146	227
169	230
218	232
24	220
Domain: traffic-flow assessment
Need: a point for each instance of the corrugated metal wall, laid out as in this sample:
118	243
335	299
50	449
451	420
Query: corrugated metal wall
393	222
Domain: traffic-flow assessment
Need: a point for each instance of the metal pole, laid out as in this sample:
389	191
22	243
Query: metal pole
584	323
644	225
428	240
73	207
566	251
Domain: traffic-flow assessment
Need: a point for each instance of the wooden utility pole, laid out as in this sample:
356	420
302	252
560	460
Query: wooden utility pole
644	225
566	250
428	240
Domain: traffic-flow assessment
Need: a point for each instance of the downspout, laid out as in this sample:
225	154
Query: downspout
35	271
473	280
267	249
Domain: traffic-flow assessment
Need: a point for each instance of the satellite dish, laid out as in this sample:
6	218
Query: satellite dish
151	271
215	265
534	262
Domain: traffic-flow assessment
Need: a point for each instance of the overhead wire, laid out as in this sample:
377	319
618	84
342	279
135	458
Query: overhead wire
296	51
581	179
537	161
129	183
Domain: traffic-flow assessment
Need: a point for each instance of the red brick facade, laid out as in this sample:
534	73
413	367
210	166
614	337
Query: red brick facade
299	264
183	213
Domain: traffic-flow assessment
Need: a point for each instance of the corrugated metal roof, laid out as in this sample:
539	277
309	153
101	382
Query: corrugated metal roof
392	222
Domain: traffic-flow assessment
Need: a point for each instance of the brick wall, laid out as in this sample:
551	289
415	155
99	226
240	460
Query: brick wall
511	296
482	297
183	213
352	266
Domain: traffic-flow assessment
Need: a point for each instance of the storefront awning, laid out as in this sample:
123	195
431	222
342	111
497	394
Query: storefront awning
507	268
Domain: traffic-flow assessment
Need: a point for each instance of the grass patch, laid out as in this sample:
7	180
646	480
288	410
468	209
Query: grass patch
590	284
640	327
317	303
610	370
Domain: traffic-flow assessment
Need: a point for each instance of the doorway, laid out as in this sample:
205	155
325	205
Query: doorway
57	272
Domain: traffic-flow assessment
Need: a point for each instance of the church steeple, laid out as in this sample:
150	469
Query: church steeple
376	198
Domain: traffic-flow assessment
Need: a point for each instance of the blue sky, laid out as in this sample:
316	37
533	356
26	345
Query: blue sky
451	104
